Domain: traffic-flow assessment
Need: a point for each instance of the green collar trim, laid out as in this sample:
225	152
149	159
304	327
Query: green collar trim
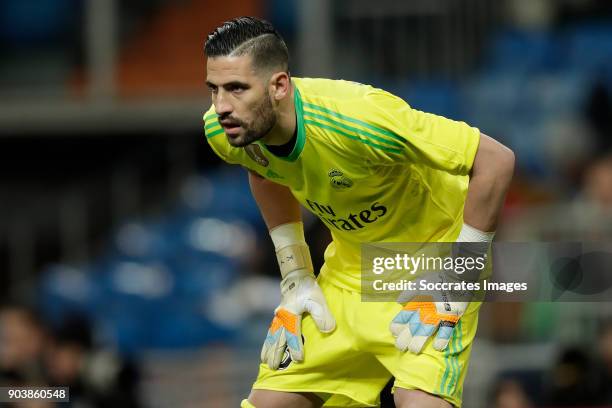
301	130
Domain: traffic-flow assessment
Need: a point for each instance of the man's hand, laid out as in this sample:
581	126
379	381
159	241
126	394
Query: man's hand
438	311
300	293
420	318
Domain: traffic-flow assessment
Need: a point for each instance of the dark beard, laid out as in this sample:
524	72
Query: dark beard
265	120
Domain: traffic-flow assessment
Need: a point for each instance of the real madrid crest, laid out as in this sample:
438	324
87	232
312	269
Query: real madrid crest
255	153
338	180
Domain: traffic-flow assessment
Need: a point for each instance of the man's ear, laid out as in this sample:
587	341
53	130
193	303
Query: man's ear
280	85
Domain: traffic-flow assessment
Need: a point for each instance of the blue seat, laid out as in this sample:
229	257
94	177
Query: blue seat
590	46
37	22
224	194
525	51
180	325
64	290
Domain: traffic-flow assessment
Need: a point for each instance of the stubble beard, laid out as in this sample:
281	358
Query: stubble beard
265	120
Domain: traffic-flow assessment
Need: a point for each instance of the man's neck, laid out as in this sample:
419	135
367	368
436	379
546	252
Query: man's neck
285	127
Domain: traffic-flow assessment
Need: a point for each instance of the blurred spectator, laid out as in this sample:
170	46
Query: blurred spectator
22	340
598	183
599	113
573	381
604	363
97	378
30	356
509	393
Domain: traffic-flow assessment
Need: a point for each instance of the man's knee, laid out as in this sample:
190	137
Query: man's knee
279	399
404	398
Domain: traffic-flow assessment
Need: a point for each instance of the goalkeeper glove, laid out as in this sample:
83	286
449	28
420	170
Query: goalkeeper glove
424	314
300	293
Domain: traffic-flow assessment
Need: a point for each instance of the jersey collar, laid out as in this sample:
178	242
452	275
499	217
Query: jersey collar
301	130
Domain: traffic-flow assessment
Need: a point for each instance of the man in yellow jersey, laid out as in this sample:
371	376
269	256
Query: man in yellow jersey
373	169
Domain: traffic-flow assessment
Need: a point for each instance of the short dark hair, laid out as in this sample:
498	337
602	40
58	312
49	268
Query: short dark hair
249	36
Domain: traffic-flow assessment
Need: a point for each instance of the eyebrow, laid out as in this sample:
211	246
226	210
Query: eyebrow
232	83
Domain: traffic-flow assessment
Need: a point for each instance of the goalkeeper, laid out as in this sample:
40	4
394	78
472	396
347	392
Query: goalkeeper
373	169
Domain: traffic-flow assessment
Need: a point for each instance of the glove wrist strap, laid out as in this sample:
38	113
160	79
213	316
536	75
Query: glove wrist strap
471	234
292	252
294	257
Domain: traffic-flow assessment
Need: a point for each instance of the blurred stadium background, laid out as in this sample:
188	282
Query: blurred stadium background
135	266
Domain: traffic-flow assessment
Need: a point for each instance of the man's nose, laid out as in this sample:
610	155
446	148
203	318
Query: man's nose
222	105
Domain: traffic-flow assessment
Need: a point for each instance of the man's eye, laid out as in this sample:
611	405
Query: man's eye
237	89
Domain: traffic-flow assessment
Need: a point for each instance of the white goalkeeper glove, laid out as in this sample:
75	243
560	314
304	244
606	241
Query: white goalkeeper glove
419	319
300	293
425	313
